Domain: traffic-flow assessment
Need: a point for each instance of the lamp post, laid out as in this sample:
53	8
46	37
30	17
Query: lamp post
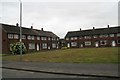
20	30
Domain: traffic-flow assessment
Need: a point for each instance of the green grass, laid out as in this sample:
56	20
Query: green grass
85	55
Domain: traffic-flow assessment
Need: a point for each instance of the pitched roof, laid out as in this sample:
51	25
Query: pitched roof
93	31
27	31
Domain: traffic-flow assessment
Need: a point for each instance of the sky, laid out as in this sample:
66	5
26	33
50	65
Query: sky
61	16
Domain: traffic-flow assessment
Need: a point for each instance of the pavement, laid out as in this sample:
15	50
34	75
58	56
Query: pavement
98	70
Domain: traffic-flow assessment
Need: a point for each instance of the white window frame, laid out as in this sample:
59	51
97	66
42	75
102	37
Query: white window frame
10	36
105	41
88	43
53	45
112	35
23	36
43	38
53	38
29	37
44	45
118	34
16	36
87	37
49	38
103	35
31	45
73	44
67	38
118	42
95	36
38	37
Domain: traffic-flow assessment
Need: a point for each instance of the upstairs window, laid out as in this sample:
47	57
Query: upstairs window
10	36
23	36
95	36
118	34
29	37
32	37
43	38
105	35
112	35
73	38
38	38
87	37
53	39
67	38
49	38
16	36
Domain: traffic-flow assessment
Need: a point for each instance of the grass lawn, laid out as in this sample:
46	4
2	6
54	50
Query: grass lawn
85	55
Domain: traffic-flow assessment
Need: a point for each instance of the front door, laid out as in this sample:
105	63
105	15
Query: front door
68	45
96	44
37	47
113	43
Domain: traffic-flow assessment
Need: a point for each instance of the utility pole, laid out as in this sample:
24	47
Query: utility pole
20	30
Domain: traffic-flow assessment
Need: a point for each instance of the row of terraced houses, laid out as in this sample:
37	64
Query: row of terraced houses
37	40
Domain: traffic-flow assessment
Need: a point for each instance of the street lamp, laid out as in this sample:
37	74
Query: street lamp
20	30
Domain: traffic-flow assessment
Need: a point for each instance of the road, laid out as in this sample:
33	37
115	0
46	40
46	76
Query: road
9	73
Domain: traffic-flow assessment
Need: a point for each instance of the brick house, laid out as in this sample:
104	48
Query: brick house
34	40
101	37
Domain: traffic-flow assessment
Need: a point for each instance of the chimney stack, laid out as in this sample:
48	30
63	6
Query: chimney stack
93	28
41	29
108	25
80	29
17	24
31	27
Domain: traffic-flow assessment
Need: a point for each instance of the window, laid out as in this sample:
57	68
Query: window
32	38
88	43
111	35
73	38
53	39
10	36
118	41
87	37
43	38
118	34
16	36
23	36
73	43
31	46
38	38
44	45
105	35
53	45
80	37
67	38
104	42
29	37
49	38
57	39
95	36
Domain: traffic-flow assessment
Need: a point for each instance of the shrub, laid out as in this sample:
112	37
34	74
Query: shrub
15	48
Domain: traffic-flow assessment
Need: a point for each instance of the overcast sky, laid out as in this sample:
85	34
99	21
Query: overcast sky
61	17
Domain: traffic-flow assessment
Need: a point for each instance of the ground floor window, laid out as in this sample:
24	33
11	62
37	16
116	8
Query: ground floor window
53	45
31	46
44	45
118	41
103	42
73	43
87	43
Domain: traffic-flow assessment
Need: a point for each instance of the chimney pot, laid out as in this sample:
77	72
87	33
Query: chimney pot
31	27
17	24
93	27
108	26
80	29
41	29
